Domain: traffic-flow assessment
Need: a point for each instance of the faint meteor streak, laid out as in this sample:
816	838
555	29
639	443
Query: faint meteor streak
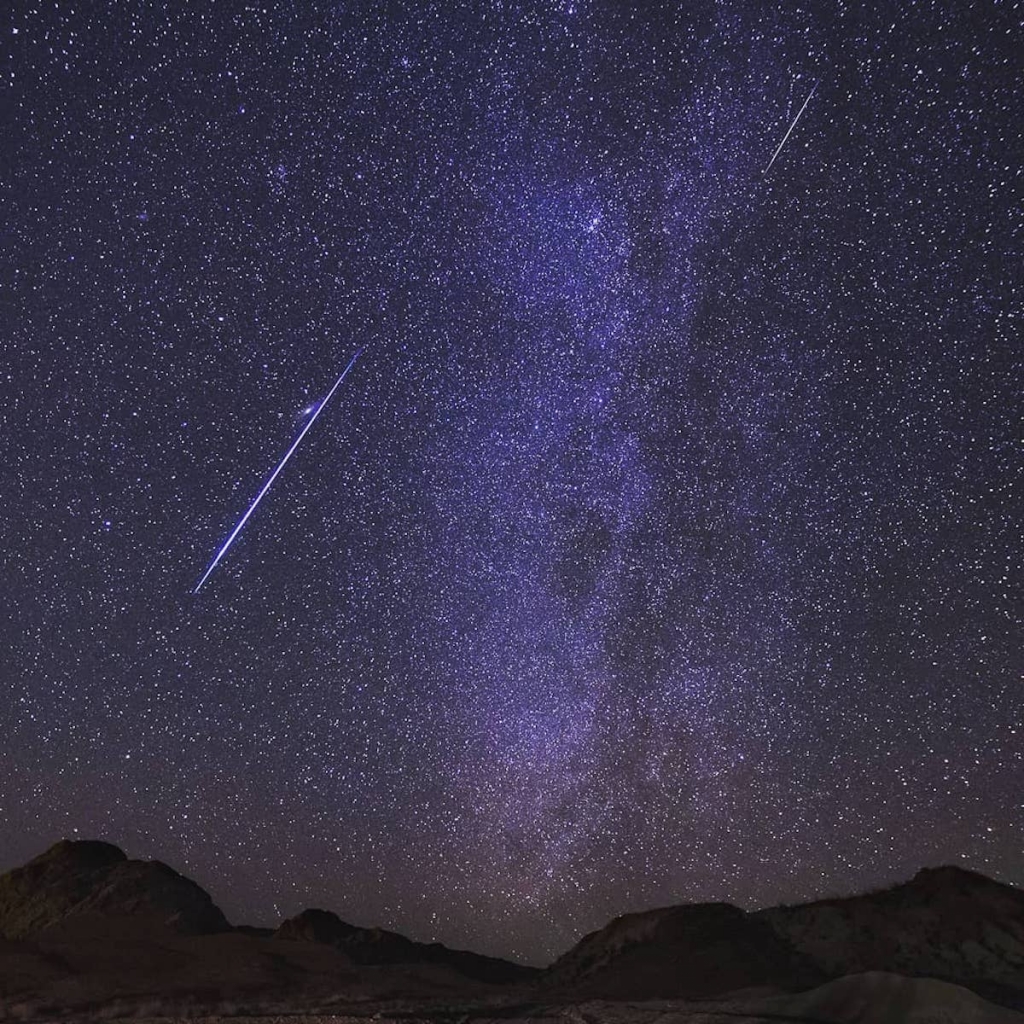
791	127
273	476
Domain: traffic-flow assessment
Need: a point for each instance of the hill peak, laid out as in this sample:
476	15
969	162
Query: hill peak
76	877
84	854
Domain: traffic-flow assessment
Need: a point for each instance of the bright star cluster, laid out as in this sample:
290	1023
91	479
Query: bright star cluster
664	543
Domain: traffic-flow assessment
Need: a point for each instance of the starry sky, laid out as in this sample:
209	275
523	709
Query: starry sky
664	542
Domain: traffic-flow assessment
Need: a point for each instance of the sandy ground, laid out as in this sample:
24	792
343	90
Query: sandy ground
875	998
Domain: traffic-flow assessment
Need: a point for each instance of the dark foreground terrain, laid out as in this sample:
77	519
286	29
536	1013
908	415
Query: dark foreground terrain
86	933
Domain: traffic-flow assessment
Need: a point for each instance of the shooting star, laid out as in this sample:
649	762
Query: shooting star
791	127
317	409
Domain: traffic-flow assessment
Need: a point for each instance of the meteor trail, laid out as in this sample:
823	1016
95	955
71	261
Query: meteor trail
791	127
273	476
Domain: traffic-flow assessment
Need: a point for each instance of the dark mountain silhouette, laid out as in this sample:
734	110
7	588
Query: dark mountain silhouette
85	931
82	927
946	923
73	878
94	966
378	946
690	951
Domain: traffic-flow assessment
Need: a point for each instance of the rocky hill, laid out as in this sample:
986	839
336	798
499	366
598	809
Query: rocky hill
75	878
946	923
378	946
86	931
690	951
873	998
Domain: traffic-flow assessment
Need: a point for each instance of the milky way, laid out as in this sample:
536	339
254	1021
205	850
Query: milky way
669	547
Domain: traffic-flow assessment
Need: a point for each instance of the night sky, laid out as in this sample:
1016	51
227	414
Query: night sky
663	544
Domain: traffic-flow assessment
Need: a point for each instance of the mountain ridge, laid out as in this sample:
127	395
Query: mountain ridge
82	924
946	923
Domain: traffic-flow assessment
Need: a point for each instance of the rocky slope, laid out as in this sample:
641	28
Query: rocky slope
689	951
946	924
101	967
378	946
74	878
84	930
884	998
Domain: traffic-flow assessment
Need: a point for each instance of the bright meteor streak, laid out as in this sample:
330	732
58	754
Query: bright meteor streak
273	476
791	127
